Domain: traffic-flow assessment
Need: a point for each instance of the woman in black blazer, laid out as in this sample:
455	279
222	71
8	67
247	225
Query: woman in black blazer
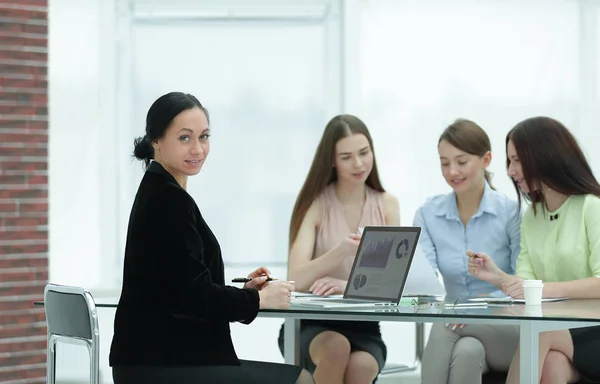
172	321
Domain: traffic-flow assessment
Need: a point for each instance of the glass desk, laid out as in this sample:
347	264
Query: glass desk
550	316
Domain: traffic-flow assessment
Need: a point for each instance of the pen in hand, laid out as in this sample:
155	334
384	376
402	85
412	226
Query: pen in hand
475	255
248	279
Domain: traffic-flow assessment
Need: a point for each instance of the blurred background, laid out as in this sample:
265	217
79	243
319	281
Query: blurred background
77	77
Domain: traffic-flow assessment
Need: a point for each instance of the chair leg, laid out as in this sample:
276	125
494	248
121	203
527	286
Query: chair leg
94	366
51	361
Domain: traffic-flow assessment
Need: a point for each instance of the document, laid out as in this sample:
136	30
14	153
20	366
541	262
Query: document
510	300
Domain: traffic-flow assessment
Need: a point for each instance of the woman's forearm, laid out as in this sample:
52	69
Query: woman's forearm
588	288
306	274
501	280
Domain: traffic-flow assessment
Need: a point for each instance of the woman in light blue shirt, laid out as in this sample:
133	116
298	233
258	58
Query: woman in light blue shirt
473	216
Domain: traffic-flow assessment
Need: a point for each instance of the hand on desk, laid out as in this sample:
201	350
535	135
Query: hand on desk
326	286
259	278
513	287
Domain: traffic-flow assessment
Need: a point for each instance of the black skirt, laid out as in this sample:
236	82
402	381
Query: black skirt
367	339
586	352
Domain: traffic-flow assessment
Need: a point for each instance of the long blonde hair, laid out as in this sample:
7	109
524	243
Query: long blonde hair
322	173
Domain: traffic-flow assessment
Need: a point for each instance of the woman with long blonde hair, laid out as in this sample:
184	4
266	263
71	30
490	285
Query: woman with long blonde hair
342	192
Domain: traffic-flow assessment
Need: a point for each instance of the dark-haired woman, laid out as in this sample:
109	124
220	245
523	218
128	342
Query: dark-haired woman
472	216
560	242
342	192
172	320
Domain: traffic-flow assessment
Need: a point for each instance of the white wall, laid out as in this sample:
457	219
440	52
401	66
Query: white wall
74	154
424	64
410	68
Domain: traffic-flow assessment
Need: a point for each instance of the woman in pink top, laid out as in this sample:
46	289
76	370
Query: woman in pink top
342	192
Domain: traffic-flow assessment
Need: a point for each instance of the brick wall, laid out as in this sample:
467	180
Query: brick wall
23	188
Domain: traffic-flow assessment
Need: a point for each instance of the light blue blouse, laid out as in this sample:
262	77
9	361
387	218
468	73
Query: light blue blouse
494	229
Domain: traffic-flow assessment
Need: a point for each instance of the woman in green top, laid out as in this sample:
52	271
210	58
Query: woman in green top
560	241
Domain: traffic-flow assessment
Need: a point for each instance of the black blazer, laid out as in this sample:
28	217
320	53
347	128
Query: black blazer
174	308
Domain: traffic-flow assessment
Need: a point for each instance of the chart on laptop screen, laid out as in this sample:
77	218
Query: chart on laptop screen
384	258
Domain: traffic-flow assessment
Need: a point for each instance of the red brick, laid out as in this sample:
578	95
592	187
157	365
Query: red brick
11	180
22	13
21	25
20	109
23	221
39	374
23	330
23	263
20	374
23	165
29	248
10	27
31	28
33	315
23	235
33	207
28	3
8	207
24	180
27	151
20	55
24	359
20	291
19	40
7	68
22	123
38	180
22	138
7	275
29	193
37	343
17	305
22	96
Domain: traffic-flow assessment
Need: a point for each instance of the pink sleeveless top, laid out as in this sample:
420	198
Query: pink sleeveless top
334	227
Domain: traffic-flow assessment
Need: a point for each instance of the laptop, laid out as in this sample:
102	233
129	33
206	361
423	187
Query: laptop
379	271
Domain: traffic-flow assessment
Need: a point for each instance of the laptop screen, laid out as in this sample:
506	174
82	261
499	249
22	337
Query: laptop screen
382	262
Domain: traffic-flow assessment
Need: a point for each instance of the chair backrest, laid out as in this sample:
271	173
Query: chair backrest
70	312
71	318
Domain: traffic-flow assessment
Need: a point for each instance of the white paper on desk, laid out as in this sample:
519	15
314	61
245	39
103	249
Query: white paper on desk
422	280
508	299
313	296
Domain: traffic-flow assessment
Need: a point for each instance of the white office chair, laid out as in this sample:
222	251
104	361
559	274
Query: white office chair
71	318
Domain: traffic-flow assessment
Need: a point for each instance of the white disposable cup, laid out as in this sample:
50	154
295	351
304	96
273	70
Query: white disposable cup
532	290
534	310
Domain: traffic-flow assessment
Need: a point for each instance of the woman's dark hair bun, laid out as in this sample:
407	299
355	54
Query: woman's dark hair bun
143	149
